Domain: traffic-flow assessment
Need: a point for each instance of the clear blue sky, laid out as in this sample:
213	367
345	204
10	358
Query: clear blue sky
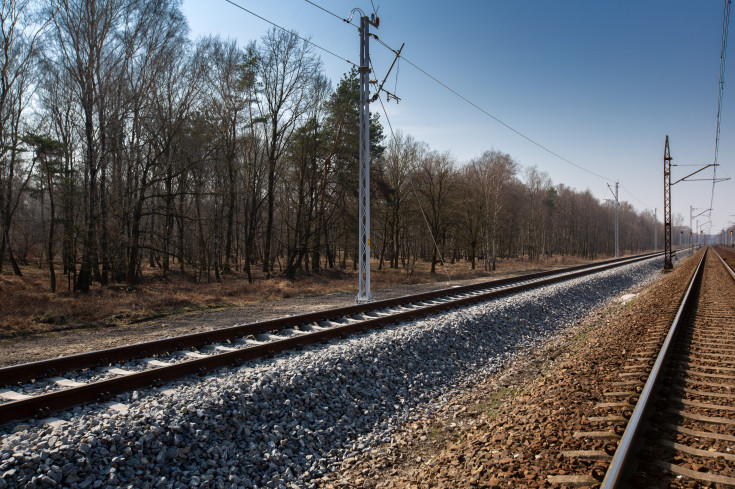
600	83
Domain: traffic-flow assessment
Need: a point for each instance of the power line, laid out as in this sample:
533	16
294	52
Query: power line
721	88
330	12
292	32
633	195
413	189
508	126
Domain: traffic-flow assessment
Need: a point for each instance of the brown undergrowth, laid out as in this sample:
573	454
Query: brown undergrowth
28	307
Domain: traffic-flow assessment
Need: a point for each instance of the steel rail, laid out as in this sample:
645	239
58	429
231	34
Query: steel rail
623	462
724	263
56	366
43	405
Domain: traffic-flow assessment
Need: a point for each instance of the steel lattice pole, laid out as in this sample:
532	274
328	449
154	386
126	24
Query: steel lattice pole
668	262
364	294
616	202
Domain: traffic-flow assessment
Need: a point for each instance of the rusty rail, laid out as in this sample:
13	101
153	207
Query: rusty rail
43	405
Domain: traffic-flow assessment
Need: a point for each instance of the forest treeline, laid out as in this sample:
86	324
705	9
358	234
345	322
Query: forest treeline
125	144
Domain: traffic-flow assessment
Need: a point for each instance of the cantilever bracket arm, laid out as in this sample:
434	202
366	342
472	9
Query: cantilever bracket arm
716	180
380	88
694	173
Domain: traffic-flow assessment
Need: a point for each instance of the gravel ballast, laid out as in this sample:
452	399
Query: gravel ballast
286	421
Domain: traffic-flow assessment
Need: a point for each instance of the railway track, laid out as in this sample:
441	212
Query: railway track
40	388
669	421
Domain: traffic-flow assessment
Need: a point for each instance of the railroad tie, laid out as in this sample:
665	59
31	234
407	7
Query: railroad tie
62	382
118	371
693	474
596	435
9	395
587	455
572	480
699	417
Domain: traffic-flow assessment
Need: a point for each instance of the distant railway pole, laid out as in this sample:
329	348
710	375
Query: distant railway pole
617	206
691	229
655	231
668	262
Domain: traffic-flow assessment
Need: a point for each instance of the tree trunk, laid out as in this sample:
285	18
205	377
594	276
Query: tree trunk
131	277
11	257
84	279
269	218
52	272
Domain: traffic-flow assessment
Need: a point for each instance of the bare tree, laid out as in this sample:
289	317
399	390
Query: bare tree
493	171
397	167
286	68
308	149
231	79
49	153
18	54
161	89
59	110
437	185
90	52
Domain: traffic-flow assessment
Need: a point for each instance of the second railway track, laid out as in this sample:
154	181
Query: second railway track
688	401
669	420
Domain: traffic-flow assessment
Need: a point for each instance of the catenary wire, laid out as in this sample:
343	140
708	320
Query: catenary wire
508	126
291	32
330	12
721	88
501	122
413	189
634	196
474	105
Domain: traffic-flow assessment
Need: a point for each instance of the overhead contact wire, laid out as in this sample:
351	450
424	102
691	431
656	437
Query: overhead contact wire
294	33
413	189
501	122
508	126
720	90
633	195
330	13
423	213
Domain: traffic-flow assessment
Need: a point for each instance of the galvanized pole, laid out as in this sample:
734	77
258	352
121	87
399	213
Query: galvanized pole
691	229
655	233
364	294
617	206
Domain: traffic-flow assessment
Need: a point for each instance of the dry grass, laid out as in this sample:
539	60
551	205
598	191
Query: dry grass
27	306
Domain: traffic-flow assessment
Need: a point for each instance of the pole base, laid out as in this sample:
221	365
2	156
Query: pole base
364	299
